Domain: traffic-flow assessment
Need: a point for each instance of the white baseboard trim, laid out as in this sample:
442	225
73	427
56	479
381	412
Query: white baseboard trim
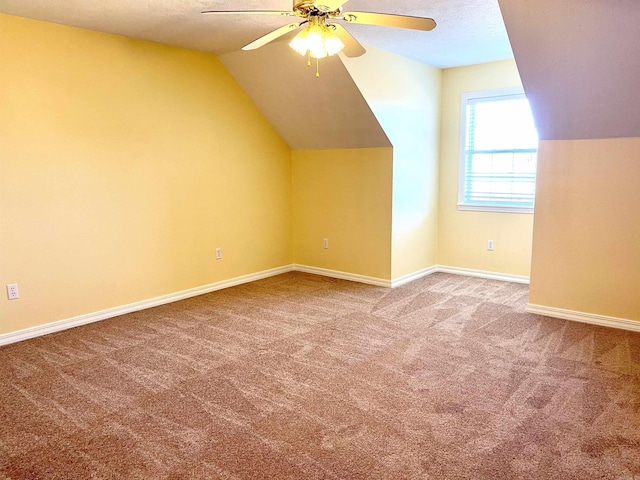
413	276
505	277
18	336
380	282
583	317
12	337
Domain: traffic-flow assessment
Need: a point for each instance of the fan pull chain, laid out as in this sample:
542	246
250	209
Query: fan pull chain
317	63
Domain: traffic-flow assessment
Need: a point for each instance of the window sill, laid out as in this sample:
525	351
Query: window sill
494	209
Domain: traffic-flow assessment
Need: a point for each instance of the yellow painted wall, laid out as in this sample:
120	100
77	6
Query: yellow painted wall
463	235
343	195
123	164
404	95
586	248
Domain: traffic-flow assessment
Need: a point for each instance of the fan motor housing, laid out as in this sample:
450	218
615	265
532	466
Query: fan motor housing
310	7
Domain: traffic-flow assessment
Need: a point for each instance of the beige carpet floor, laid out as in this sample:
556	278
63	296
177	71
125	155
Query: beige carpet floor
305	377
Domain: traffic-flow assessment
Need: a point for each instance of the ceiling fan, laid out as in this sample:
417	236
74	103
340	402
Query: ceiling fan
321	37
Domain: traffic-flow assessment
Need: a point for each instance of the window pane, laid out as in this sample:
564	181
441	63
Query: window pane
503	125
499	165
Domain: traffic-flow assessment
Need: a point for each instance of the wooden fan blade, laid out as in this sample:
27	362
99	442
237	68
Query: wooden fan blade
352	47
271	36
248	12
390	20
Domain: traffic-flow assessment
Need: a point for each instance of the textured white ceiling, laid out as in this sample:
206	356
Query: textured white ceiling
468	31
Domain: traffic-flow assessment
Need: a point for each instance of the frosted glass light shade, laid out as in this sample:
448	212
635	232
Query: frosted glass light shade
317	40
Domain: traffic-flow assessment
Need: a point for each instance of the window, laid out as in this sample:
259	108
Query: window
498	154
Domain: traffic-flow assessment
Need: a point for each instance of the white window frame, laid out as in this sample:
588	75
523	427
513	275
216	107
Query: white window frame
466	97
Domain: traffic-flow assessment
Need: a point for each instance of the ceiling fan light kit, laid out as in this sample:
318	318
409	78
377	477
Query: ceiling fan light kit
319	38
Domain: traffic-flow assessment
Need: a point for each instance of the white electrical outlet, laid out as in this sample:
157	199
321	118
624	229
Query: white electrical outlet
325	243
218	253
12	291
490	245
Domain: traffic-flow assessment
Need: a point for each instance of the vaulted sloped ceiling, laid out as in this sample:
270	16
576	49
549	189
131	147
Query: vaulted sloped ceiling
580	65
307	112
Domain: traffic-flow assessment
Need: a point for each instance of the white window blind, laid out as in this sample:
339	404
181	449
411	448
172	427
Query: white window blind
499	155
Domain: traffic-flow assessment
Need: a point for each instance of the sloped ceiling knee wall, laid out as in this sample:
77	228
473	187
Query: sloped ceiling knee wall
579	65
